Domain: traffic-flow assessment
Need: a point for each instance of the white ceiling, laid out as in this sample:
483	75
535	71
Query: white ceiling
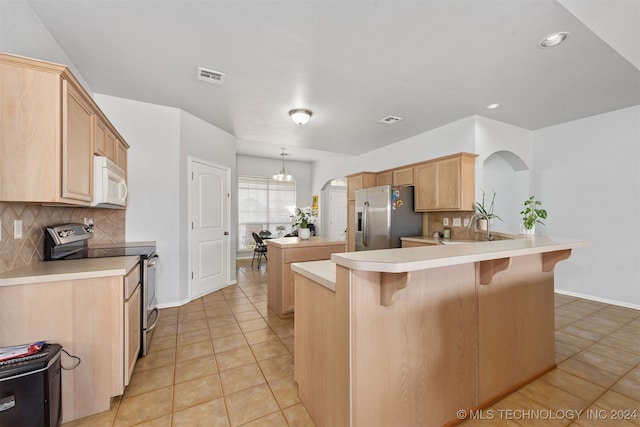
353	62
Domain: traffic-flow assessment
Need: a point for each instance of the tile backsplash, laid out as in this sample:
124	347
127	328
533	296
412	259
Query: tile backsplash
109	227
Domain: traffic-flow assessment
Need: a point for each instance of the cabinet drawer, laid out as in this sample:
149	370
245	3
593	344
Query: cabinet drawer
131	280
311	254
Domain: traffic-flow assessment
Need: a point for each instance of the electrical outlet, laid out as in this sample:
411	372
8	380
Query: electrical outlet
0	231
17	229
445	222
456	222
88	222
465	222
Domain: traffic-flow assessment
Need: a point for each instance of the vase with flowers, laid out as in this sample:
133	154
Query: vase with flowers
303	218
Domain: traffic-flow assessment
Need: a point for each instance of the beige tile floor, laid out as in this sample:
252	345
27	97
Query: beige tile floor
224	360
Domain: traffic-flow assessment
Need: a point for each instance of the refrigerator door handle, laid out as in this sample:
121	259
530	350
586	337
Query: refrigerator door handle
365	224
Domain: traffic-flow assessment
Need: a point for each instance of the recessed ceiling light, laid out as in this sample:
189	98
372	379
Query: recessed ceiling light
553	39
492	106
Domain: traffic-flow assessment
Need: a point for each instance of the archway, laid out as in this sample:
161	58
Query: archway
508	175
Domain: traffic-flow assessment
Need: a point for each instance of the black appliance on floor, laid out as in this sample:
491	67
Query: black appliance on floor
31	389
69	241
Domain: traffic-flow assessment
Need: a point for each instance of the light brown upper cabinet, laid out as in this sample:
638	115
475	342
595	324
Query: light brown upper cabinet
359	180
77	134
399	177
445	184
48	131
110	145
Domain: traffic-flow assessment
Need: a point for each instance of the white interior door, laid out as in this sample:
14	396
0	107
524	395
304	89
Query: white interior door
338	213
209	228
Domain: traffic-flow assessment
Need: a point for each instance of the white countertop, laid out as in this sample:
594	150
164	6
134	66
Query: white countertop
54	271
287	242
420	258
322	272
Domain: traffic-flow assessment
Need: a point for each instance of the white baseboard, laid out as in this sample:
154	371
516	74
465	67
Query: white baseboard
604	300
188	300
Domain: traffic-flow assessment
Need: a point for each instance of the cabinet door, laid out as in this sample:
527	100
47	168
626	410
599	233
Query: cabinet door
448	184
131	333
121	155
101	134
77	146
426	187
384	178
29	134
403	176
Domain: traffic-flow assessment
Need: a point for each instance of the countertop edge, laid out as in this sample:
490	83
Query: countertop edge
421	258
56	271
322	272
292	242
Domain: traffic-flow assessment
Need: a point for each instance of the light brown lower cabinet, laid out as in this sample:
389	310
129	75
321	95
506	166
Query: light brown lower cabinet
94	319
414	348
281	254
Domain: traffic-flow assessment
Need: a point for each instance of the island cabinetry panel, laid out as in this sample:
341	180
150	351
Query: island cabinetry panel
445	184
282	253
516	327
47	134
89	318
412	362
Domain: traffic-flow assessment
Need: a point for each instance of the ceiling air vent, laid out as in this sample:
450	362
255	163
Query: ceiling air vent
389	120
210	76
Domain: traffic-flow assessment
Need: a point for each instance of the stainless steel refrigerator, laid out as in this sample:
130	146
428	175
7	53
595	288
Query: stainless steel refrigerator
383	215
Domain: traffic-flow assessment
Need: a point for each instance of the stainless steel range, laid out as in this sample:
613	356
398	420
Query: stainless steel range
70	241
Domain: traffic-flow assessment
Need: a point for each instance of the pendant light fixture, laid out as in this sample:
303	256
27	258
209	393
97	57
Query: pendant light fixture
284	174
300	116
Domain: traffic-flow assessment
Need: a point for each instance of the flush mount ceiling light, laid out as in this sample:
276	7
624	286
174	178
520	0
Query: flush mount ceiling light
553	39
492	106
284	174
300	116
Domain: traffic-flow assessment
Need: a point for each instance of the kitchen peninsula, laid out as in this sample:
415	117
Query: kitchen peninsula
412	336
284	251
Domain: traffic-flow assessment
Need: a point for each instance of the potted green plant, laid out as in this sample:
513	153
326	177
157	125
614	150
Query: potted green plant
303	218
531	215
484	215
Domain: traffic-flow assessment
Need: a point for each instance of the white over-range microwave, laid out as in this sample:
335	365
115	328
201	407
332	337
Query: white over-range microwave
109	184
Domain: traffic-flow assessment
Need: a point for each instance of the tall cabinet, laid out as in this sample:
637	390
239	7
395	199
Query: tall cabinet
48	134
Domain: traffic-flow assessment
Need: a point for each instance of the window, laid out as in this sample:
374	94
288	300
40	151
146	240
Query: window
264	204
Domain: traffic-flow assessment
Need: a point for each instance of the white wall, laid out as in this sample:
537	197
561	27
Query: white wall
452	138
22	33
586	173
161	139
153	210
496	172
204	141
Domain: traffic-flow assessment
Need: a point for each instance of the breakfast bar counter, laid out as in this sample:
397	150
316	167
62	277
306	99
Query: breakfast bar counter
412	336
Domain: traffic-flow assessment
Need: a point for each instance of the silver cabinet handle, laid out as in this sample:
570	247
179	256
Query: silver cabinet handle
7	403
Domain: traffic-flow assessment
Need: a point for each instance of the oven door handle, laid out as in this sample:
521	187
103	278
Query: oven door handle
157	312
152	261
7	403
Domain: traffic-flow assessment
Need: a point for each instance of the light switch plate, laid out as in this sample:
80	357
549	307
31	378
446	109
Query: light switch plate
445	222
457	222
465	222
17	229
0	231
